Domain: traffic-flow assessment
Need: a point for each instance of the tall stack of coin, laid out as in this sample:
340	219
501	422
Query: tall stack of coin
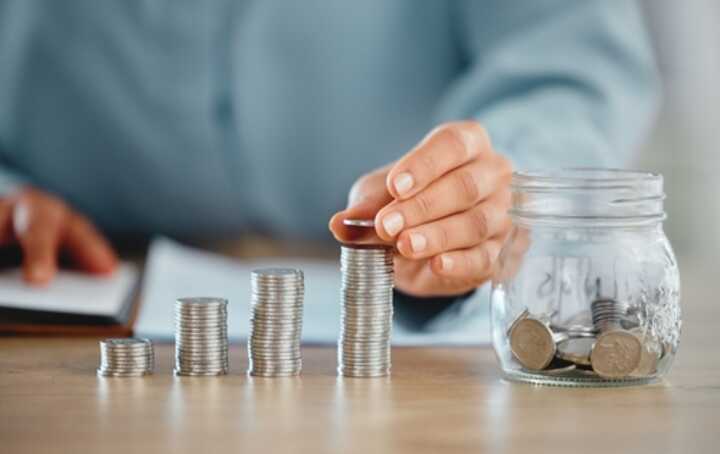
201	345
126	357
276	322
367	295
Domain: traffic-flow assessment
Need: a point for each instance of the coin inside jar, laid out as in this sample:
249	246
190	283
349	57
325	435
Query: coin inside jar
576	347
650	354
532	343
616	354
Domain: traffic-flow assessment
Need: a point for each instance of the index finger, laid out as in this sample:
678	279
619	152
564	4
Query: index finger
442	150
38	225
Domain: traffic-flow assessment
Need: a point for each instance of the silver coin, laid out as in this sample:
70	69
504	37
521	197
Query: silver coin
274	347
290	318
576	349
366	361
201	348
276	323
204	373
198	341
281	356
125	355
260	333
351	332
197	319
272	372
377	327
204	363
265	312
365	368
125	343
128	362
277	363
369	223
200	328
273	367
364	344
201	353
201	365
275	373
363	374
378	311
110	373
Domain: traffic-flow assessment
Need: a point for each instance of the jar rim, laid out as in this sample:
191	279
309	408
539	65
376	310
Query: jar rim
582	176
587	195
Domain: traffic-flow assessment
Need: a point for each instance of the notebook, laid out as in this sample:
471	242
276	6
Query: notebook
73	303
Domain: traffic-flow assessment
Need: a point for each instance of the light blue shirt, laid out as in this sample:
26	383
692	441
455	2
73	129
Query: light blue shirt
203	117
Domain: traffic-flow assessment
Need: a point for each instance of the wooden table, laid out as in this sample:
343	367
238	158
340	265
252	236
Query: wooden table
439	400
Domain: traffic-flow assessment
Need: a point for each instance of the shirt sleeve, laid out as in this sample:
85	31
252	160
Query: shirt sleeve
10	180
557	83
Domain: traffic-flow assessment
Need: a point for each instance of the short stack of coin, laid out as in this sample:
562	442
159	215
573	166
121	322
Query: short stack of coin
201	344
367	310
276	322
126	357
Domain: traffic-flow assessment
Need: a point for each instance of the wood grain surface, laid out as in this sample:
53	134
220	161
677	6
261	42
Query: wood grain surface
438	400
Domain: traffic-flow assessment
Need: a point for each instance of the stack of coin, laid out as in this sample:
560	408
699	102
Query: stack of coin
201	345
276	322
367	294
126	357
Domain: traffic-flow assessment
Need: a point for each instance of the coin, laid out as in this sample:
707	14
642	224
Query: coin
576	347
369	223
532	343
126	357
276	322
367	311
650	354
201	344
616	354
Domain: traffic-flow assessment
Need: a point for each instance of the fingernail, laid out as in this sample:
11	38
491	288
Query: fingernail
446	262
393	223
418	242
403	183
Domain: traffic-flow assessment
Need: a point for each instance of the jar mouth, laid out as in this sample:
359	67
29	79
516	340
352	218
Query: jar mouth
575	177
588	195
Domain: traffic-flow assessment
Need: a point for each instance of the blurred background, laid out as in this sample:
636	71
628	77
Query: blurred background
683	145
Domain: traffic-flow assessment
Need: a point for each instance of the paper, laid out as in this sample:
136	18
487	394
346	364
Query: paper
174	271
70	292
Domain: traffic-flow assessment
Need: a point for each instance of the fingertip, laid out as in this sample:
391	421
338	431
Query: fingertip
380	229
404	246
39	274
106	265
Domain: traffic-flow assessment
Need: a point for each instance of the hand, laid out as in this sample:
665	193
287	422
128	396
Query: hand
43	225
444	207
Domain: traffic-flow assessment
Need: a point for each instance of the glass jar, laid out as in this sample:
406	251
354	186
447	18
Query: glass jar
586	292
